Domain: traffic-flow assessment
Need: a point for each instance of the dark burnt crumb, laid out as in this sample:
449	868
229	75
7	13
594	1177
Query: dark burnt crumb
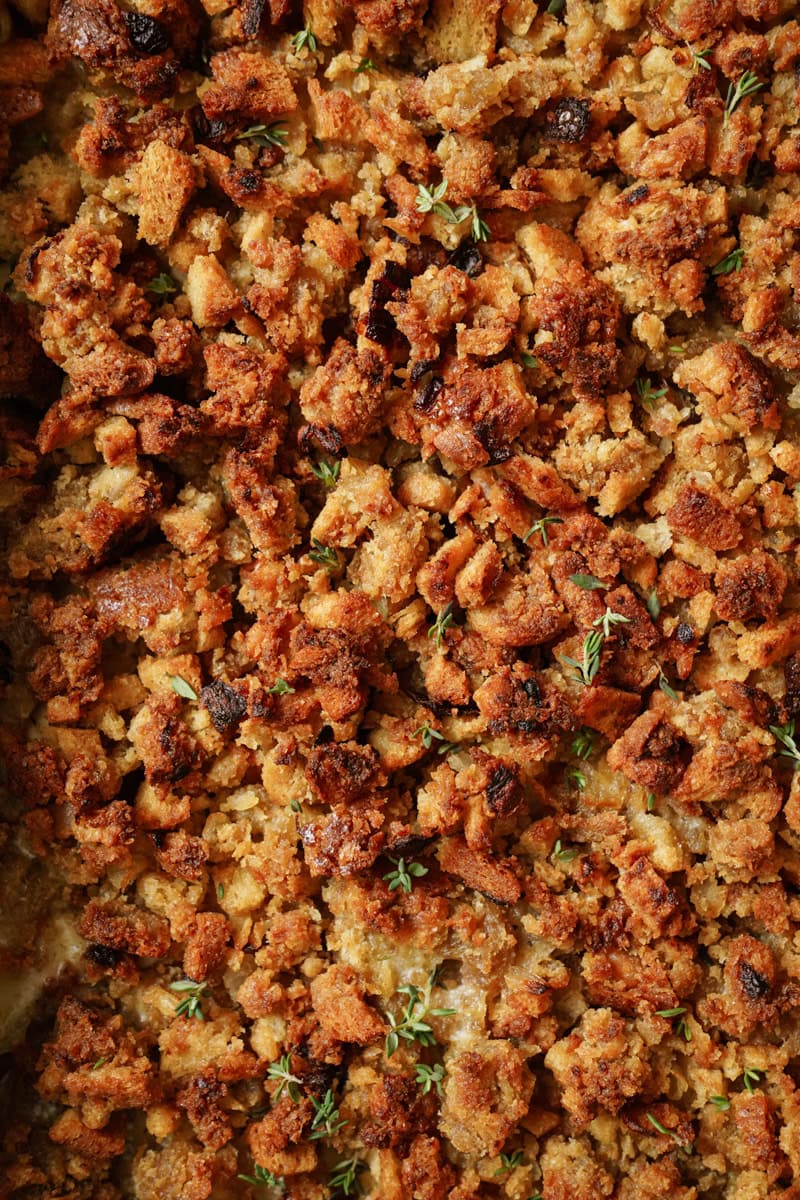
467	258
380	327
421	368
103	956
426	396
636	195
147	35
569	120
399	635
225	704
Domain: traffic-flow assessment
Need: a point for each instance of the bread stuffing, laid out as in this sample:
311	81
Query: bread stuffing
400	600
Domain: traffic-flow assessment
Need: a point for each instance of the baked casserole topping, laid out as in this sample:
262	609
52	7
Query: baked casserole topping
399	619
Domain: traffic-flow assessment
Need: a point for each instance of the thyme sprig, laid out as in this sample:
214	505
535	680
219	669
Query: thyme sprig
746	85
305	37
786	736
429	1077
586	669
274	134
326	1120
343	1178
608	620
191	1004
412	1025
648	394
731	262
540	526
261	1177
182	688
282	1071
326	472
443	621
404	874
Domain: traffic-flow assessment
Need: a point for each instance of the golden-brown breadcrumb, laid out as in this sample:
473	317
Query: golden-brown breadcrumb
400	604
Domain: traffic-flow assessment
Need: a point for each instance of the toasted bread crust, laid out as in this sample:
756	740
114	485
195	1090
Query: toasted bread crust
399	609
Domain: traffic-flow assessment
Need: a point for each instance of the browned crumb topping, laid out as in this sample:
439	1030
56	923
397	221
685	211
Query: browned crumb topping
400	612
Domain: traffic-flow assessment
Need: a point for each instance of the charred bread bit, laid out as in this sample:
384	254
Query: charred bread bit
750	587
651	753
399	599
601	1065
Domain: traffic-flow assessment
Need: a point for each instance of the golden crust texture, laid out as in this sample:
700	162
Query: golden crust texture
400	605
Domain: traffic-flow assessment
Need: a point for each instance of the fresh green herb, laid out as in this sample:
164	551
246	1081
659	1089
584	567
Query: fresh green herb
654	605
657	1125
682	1028
540	527
700	59
509	1161
747	85
280	688
412	1026
182	688
432	200
677	349
651	801
722	1102
731	262
592	652
562	854
589	583
555	7
531	361
478	228
326	556
327	473
608	620
282	1071
220	891
576	775
304	38
440	626
750	1076
162	285
100	1062
665	685
428	734
295	806
343	1177
648	394
403	874
536	1196
265	135
429	1077
366	64
261	1177
785	735
326	1117
190	1005
583	743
